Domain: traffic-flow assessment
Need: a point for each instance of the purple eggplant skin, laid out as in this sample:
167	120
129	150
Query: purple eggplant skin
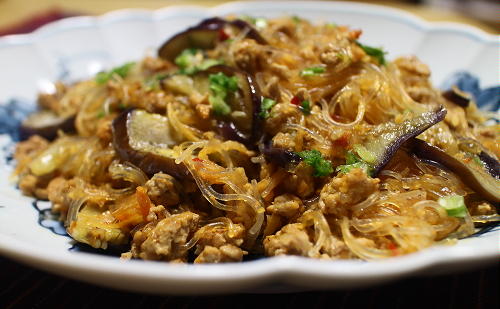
46	124
457	97
148	162
204	36
491	164
283	158
484	183
384	148
252	100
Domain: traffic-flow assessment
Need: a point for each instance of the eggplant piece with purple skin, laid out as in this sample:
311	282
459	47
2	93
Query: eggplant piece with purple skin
204	36
282	157
242	123
484	180
46	123
387	138
457	97
144	140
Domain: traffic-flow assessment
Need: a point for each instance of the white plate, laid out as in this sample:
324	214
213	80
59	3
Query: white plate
81	46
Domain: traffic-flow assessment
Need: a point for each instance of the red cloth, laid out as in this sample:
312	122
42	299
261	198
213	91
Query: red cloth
38	20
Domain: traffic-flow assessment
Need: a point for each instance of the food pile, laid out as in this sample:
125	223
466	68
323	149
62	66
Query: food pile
263	137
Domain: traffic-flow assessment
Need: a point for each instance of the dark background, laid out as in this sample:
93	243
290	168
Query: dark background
25	287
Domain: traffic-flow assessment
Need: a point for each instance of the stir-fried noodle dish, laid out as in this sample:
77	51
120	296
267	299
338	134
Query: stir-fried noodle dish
246	136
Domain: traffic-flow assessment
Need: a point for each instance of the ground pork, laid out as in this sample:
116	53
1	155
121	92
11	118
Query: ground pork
223	254
292	239
164	240
61	192
300	182
30	148
286	205
343	191
281	114
163	189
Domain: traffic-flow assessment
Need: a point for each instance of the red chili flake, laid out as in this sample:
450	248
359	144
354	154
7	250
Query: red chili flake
342	141
392	246
223	35
295	100
197	160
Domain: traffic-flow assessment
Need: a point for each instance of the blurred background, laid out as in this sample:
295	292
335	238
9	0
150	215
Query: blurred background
19	16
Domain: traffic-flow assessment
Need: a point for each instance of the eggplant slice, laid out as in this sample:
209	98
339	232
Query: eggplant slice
243	123
282	157
144	140
387	138
46	123
204	36
484	181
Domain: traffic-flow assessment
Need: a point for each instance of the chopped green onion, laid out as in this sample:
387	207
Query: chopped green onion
296	19
265	107
101	114
314	158
312	71
191	60
377	53
305	107
353	161
365	154
454	205
477	160
122	71
220	86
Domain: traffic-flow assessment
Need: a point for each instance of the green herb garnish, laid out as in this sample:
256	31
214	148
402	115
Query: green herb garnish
353	161
454	205
265	107
377	53
305	107
312	71
296	19
191	60
220	86
314	158
105	76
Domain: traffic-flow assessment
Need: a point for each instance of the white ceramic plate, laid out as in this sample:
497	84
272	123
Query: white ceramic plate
81	46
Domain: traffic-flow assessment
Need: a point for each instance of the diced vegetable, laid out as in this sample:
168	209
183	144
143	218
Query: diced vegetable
385	139
46	123
377	53
205	35
220	86
284	158
312	71
265	107
314	158
458	97
454	205
305	107
353	161
191	60
365	154
144	140
122	71
483	179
